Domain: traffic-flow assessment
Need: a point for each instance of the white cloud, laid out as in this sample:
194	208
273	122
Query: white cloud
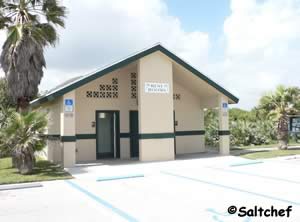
261	42
255	25
262	48
101	31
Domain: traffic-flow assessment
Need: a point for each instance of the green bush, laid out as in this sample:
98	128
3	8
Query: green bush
22	136
245	132
246	127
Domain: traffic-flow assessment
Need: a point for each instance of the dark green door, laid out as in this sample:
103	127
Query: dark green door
134	134
105	134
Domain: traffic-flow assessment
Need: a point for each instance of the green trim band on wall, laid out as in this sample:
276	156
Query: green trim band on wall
125	135
68	138
156	135
224	132
190	133
85	136
77	137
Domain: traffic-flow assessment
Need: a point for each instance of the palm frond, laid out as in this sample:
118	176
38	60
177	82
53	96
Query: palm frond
24	132
45	34
22	57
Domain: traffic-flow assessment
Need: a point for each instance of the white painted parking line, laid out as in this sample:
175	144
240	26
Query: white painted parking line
255	175
123	177
20	186
232	188
103	202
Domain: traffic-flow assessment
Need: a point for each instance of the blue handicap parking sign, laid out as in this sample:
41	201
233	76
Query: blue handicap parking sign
68	105
69	102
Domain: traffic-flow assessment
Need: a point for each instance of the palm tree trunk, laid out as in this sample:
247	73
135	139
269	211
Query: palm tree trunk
14	160
283	132
23	161
23	104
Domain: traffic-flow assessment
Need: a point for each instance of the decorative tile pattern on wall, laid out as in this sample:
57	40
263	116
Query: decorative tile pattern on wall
115	88
115	95
108	95
177	96
89	94
96	94
133	81
106	91
102	94
101	87
115	81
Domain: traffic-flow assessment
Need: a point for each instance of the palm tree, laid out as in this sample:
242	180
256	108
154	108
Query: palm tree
30	26
22	136
280	104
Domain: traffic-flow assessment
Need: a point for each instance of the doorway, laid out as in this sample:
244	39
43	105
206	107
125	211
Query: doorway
107	134
134	133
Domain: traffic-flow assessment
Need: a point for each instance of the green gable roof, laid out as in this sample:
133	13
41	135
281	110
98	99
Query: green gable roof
59	91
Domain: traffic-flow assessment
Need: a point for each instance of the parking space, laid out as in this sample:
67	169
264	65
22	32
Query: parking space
198	189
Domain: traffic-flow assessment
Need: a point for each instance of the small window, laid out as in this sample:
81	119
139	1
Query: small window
102	115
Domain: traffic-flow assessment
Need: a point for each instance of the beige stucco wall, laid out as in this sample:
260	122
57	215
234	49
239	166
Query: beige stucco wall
155	109
53	110
85	150
125	148
86	108
53	149
190	117
156	149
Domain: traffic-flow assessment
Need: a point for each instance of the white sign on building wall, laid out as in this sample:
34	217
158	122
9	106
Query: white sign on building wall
153	87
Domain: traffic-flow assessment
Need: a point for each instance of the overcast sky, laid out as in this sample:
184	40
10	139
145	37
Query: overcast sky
247	46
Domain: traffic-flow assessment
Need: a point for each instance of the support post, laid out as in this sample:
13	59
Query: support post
224	133
68	130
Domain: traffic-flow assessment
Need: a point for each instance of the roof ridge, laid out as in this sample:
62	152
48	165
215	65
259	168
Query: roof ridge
125	61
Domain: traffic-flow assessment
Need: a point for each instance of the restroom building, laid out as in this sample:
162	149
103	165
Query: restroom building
148	106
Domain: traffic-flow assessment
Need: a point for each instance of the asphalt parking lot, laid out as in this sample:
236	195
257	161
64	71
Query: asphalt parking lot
199	189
